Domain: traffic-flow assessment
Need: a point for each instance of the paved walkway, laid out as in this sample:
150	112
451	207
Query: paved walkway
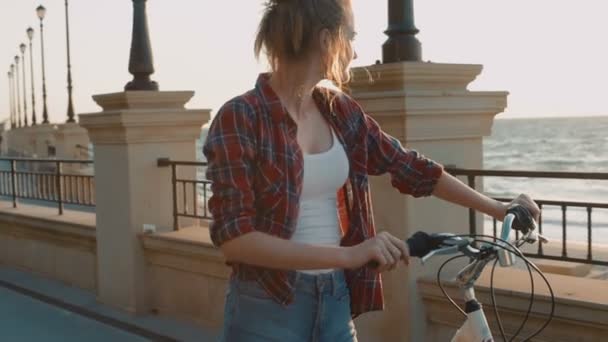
37	309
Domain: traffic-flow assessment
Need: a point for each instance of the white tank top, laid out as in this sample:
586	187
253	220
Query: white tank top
324	174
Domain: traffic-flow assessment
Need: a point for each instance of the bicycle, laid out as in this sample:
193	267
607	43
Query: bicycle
499	250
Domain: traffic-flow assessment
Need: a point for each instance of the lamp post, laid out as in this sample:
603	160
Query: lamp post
14	98
22	48
41	11
141	65
19	122
30	36
10	96
402	44
67	35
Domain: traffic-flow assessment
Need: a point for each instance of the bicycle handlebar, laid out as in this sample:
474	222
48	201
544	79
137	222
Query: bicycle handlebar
424	246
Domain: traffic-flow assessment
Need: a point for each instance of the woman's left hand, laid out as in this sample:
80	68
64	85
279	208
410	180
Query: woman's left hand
527	202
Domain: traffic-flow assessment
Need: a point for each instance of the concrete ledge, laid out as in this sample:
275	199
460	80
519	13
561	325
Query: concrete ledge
563	267
39	240
581	309
186	276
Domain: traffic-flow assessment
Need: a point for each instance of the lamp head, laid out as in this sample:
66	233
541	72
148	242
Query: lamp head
41	12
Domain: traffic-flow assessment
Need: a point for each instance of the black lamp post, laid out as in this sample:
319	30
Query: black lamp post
30	36
41	11
14	98
19	122
10	96
67	35
22	48
402	44
140	60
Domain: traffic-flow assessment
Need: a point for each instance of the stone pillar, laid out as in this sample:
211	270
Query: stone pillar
428	108
19	142
134	130
72	141
45	136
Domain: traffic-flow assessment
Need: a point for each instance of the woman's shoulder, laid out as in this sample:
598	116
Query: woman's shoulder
344	107
237	115
247	104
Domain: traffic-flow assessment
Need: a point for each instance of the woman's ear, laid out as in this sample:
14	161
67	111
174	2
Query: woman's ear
324	40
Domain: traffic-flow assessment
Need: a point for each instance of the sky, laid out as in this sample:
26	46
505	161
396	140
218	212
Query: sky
550	55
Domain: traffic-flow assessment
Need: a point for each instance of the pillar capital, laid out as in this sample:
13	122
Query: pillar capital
139	117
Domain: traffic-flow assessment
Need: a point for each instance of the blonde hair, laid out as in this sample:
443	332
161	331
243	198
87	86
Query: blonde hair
290	28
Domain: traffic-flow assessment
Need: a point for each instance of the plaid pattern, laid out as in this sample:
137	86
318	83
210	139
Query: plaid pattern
256	169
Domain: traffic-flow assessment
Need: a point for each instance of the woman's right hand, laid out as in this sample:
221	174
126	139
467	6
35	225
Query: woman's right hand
384	249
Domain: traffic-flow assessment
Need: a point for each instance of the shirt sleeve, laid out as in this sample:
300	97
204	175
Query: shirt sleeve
230	152
411	172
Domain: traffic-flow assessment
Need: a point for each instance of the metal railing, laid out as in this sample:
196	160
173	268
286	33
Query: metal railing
183	188
564	205
190	201
47	180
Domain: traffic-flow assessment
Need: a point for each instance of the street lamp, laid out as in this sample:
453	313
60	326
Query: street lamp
14	98
141	65
67	34
19	122
402	44
10	96
41	11
30	36
22	48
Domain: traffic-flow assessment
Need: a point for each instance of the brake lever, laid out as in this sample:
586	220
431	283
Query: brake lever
532	237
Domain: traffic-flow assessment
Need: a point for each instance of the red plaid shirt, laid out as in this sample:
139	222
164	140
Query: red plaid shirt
255	166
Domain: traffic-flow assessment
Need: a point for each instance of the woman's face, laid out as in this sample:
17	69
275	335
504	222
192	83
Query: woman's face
349	53
345	52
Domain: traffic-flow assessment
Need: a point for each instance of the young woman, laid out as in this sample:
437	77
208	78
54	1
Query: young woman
289	164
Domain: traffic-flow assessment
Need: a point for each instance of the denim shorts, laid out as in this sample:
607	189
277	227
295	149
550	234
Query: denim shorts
320	312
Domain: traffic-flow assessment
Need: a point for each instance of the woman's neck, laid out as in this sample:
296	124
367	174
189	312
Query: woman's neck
295	86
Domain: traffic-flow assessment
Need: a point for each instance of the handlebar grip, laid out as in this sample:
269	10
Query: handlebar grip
419	245
524	221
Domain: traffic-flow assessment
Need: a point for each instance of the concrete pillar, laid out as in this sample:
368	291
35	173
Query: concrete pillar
134	130
428	108
19	142
71	141
44	137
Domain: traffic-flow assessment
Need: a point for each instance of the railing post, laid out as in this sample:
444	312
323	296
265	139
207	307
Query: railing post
564	235
589	238
472	221
14	181
540	228
59	183
174	186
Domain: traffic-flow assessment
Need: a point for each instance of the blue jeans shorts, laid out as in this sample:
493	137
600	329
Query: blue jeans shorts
319	313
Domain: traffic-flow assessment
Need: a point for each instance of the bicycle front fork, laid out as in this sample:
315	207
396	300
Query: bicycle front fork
475	328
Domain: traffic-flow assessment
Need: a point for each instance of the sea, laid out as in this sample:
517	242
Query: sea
573	144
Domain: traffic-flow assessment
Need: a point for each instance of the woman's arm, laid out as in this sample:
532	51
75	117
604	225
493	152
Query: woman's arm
414	174
451	189
261	249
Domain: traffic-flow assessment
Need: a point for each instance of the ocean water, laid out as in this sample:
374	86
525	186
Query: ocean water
553	144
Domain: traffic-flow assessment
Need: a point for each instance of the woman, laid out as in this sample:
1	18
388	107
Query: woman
289	164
